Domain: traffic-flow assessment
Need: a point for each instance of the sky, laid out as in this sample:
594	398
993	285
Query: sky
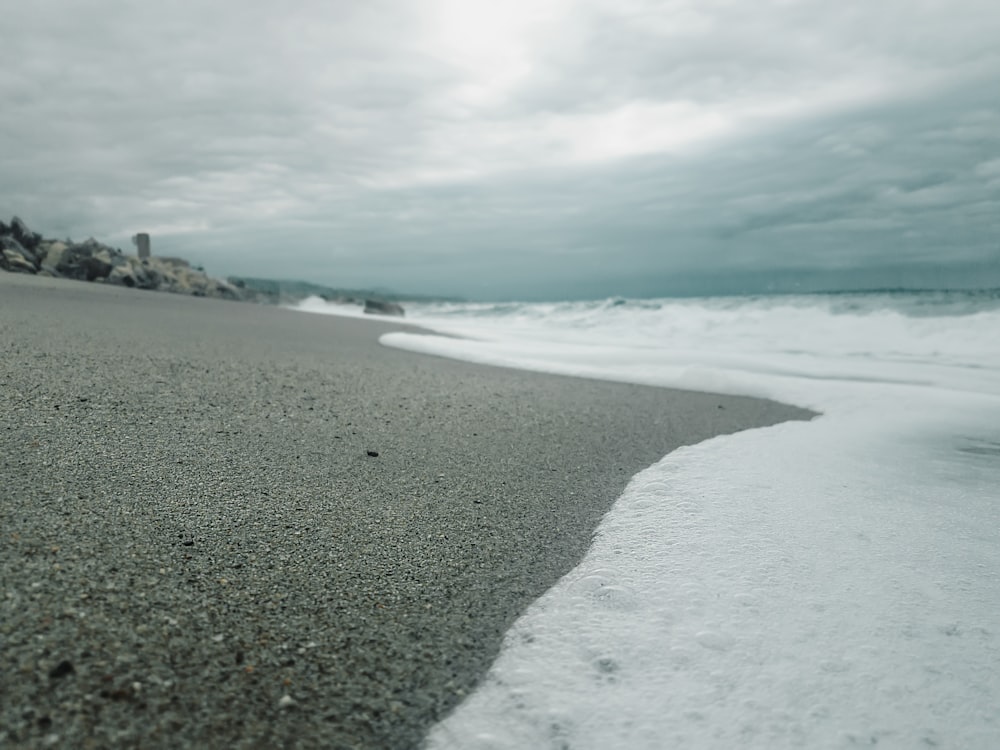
525	149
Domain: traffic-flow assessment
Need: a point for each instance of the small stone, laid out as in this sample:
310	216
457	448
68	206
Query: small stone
62	669
286	701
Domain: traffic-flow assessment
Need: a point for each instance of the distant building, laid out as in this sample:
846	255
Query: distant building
141	241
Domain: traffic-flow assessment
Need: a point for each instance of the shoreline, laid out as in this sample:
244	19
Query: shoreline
202	550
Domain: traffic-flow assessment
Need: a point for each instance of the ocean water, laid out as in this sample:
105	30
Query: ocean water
823	584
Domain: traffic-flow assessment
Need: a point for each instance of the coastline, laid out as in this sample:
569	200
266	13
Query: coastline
199	549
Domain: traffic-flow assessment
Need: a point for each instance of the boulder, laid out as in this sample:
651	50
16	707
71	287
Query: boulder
97	266
24	251
54	253
71	261
10	243
381	307
145	271
47	270
136	269
11	260
15	254
22	234
123	276
224	290
132	273
85	261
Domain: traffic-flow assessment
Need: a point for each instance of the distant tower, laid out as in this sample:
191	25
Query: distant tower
141	241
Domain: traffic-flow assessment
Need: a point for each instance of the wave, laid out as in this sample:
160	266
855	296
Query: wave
812	584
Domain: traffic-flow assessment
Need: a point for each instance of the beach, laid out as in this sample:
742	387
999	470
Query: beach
233	525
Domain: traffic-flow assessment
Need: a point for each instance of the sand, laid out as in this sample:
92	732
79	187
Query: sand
198	548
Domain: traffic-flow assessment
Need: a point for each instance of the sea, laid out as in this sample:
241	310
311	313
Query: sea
825	584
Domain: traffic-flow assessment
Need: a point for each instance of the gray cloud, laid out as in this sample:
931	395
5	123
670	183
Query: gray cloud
560	148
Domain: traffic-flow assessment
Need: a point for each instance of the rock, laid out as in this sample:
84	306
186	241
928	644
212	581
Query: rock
85	261
123	276
24	251
11	260
72	261
9	243
62	669
131	272
98	265
225	290
24	235
148	277
176	275
380	307
54	253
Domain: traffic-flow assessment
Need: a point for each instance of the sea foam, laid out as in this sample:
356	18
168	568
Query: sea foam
825	584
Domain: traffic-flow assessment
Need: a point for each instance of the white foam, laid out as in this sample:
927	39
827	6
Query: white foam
785	587
316	304
777	347
825	584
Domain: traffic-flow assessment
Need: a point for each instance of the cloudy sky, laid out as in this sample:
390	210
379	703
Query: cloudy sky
524	148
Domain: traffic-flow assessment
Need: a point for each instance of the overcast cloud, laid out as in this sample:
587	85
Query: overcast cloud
530	148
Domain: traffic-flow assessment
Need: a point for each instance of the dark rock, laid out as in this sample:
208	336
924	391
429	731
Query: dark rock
11	261
71	261
373	454
149	278
62	669
10	243
380	307
123	276
98	265
15	257
24	251
88	261
24	235
224	290
85	261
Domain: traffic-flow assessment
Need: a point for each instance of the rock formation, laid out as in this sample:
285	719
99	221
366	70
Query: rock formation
380	307
24	251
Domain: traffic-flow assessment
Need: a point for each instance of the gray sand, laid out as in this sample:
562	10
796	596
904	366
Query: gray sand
191	528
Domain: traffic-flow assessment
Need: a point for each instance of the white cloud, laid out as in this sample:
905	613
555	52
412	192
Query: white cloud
445	128
989	168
